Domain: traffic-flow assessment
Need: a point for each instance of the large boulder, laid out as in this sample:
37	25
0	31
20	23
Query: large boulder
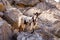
28	36
13	16
56	29
47	16
5	30
1	14
2	8
50	23
32	11
42	6
56	13
27	2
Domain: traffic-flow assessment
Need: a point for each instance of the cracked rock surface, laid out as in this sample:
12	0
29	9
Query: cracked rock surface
29	20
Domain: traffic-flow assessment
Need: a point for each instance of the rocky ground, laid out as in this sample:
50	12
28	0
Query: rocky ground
29	20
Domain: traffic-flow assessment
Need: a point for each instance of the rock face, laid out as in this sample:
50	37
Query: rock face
47	16
56	27
42	6
28	36
1	14
29	20
27	2
56	13
32	11
13	17
48	21
5	30
2	8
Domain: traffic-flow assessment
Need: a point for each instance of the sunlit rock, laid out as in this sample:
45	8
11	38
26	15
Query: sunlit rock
2	8
56	13
5	30
12	15
42	6
1	14
32	11
27	2
47	16
28	36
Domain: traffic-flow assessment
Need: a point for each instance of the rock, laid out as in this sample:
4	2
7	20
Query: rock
23	10
5	30
1	14
2	8
27	2
16	18
30	20
54	2
55	38
13	16
56	29
42	6
47	16
50	23
56	13
32	11
28	36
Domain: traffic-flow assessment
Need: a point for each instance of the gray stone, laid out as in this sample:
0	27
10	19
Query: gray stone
42	6
47	16
32	11
1	14
5	30
27	2
23	36
13	15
